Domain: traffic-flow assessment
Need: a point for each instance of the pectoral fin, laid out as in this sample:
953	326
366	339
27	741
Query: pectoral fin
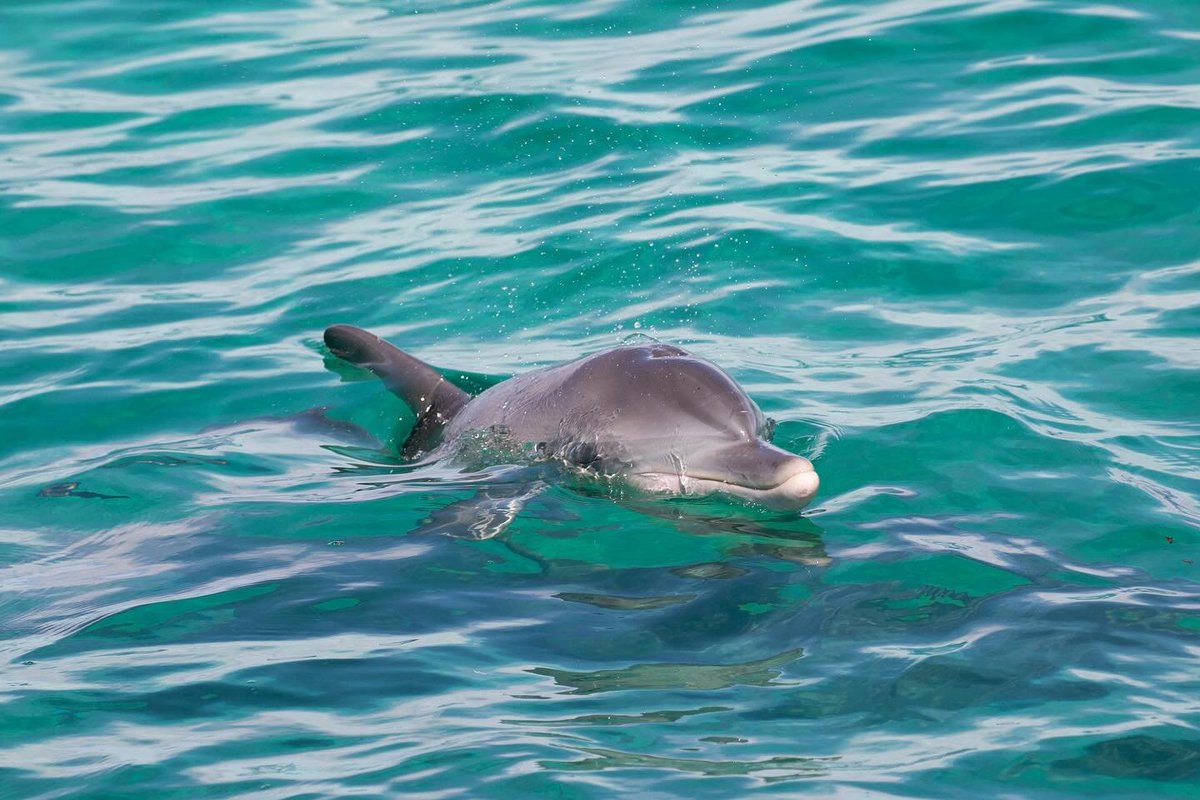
484	516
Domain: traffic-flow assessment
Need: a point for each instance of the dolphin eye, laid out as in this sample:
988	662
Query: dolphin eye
582	454
769	429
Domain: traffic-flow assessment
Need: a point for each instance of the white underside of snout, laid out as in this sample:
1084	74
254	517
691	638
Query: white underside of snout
794	492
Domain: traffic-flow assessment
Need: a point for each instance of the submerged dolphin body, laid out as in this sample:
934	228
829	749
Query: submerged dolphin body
653	415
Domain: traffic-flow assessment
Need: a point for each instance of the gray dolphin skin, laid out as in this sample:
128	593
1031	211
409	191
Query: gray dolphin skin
652	415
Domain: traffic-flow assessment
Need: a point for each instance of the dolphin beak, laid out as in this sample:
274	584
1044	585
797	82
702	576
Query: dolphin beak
765	474
756	471
797	489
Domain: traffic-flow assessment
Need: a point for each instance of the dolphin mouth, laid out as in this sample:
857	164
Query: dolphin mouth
792	488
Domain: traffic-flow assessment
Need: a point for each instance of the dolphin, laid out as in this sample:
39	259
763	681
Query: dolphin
650	415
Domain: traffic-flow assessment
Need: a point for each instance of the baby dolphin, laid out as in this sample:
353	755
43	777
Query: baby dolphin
660	418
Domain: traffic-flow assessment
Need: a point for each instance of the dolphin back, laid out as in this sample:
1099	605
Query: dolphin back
432	398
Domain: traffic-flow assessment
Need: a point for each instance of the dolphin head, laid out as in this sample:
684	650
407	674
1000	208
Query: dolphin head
678	424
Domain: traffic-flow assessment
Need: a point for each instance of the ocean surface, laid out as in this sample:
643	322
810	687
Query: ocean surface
952	246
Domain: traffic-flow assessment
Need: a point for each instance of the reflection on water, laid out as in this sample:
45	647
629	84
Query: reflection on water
672	676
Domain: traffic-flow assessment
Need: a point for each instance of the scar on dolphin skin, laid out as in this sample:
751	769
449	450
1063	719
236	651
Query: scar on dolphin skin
653	416
71	489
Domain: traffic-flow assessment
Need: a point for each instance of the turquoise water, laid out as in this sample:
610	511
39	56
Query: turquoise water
951	245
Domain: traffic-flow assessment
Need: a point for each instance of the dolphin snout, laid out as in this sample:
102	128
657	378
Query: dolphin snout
758	465
796	490
765	474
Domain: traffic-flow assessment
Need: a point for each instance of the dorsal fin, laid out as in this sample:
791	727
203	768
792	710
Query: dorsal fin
432	398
